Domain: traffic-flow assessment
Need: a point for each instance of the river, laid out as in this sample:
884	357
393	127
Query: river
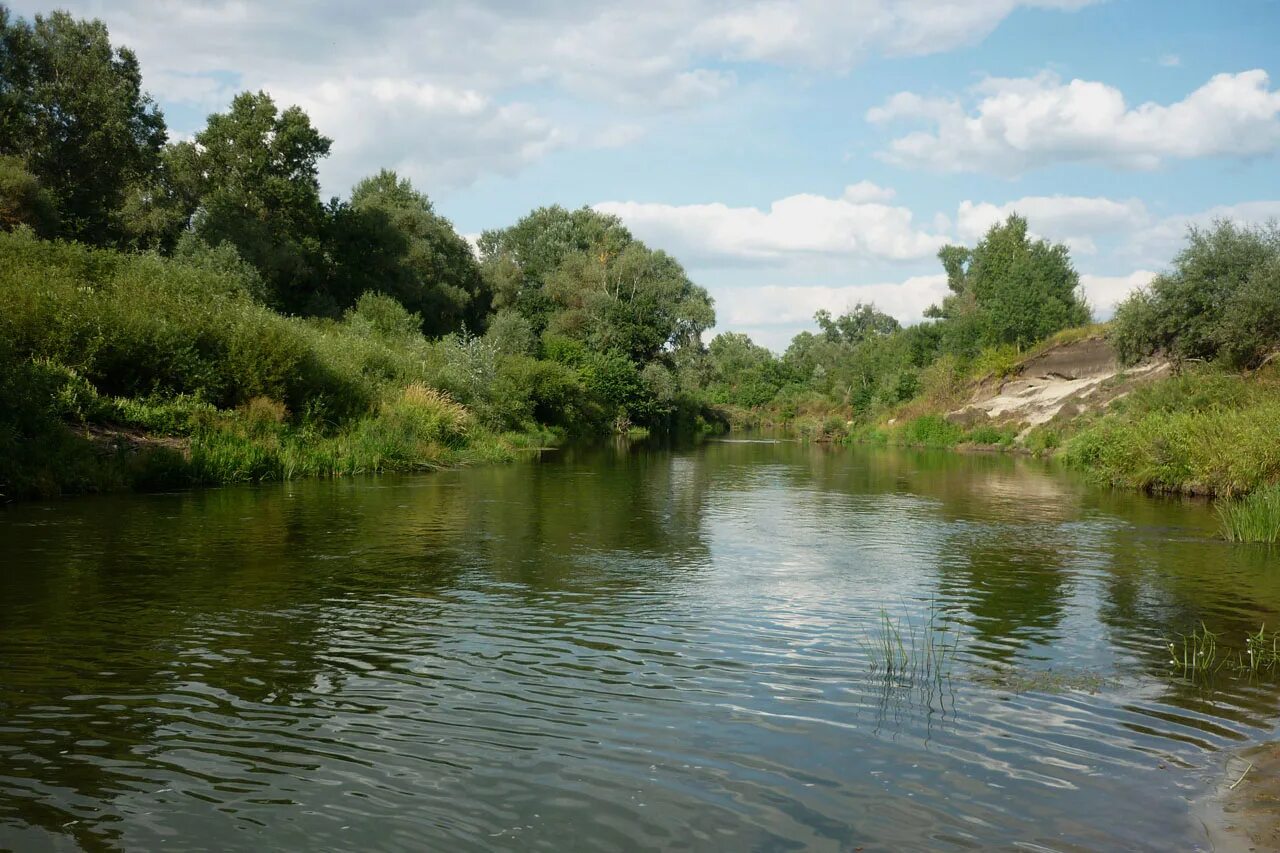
623	648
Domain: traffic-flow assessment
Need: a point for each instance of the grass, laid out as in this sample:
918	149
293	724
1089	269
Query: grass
1253	518
909	653
1205	432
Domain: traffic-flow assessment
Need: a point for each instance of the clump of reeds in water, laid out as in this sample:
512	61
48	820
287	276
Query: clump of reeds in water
1253	518
1199	654
911	653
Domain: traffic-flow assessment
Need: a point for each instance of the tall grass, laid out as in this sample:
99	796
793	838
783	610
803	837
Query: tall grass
1205	432
1253	518
911	653
1199	654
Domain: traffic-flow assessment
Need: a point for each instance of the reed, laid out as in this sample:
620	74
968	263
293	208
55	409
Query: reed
1253	518
908	652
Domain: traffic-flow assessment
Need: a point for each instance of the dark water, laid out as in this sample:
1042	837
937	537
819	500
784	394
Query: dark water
634	649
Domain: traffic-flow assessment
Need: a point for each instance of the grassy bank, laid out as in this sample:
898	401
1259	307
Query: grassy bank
133	371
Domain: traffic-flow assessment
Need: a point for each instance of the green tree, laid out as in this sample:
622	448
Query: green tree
855	325
1008	289
73	109
249	179
23	201
1221	299
517	260
412	253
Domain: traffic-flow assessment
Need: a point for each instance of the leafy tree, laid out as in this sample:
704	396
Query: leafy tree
249	179
743	372
23	201
412	253
1008	289
856	325
517	260
581	275
1221	299
72	107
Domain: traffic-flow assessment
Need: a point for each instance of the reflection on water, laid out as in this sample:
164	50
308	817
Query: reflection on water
640	649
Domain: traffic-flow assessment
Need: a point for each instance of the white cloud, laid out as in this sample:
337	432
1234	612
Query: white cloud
1021	123
1170	60
773	314
797	225
866	191
1077	221
1105	292
613	63
1157	243
838	34
436	135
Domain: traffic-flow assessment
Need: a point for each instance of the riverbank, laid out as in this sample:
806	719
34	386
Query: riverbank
1201	430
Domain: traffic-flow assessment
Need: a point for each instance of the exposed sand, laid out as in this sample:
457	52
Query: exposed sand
1081	375
1246	817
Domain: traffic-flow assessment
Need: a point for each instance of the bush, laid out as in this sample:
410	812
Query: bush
1221	299
930	431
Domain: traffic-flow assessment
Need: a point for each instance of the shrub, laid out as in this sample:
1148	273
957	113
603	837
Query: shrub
930	431
1221	299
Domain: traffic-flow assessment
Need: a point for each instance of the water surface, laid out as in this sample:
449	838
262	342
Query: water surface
630	648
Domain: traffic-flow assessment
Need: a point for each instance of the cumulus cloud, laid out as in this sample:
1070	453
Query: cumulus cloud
804	224
612	63
772	314
1016	124
1105	292
1077	221
1157	242
444	137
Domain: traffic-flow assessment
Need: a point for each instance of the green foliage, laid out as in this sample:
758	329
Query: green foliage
1253	518
1220	300
390	239
929	431
1172	436
1009	290
24	202
72	108
997	362
581	275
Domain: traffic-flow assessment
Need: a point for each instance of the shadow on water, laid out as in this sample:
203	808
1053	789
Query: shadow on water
632	646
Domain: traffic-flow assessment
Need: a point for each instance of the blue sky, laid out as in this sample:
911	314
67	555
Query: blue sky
795	155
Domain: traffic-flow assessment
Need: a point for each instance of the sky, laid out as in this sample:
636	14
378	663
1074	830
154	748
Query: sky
793	155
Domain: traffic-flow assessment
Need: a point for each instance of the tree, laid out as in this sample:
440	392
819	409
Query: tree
1008	289
73	109
1221	299
249	179
420	259
517	260
23	201
581	275
856	325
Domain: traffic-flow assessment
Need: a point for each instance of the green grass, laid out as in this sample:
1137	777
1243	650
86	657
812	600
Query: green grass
928	431
911	653
1253	518
1205	432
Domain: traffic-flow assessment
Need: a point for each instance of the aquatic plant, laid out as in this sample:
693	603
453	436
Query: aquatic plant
1253	518
1197	653
907	652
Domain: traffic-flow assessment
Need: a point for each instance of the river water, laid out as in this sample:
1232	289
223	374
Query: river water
623	648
